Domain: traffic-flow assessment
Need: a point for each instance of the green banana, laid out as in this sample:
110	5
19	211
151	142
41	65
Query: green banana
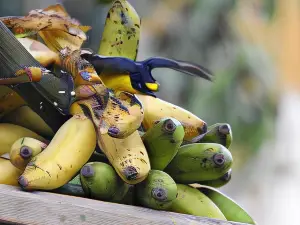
217	183
199	162
157	191
193	202
220	133
129	197
100	181
231	210
162	142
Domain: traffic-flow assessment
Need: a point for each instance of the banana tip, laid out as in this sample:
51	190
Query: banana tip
130	173
219	159
227	176
87	171
159	194
224	129
203	129
23	182
113	131
25	152
169	126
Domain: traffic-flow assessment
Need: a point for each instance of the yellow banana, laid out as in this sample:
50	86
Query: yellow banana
156	109
9	100
71	147
23	150
123	115
8	173
9	133
120	37
128	156
120	114
24	116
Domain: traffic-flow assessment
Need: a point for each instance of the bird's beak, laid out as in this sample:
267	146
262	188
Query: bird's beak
153	86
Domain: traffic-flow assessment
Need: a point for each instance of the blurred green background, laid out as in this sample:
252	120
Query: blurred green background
242	42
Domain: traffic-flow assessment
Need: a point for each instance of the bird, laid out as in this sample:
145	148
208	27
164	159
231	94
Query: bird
140	72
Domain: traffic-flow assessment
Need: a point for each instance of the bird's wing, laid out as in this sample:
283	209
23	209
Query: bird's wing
111	65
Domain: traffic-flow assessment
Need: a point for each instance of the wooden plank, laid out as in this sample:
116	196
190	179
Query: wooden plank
45	208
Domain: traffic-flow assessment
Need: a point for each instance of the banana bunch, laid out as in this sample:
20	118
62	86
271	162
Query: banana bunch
181	177
121	144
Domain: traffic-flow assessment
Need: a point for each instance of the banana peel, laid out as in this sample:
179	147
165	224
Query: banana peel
53	17
231	210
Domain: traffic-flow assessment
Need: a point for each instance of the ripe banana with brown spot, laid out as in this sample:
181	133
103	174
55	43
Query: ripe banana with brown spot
70	148
23	150
9	133
120	37
157	109
128	156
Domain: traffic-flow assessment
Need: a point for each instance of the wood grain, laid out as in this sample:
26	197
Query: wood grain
43	208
